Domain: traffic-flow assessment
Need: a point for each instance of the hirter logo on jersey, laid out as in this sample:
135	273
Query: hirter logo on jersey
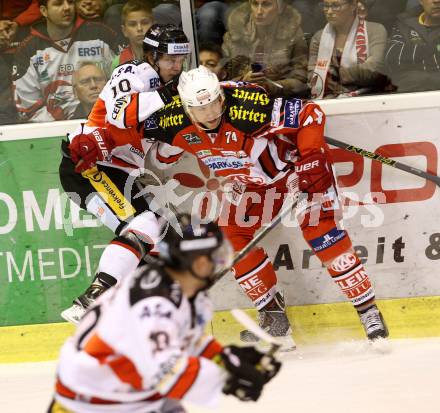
292	107
192	138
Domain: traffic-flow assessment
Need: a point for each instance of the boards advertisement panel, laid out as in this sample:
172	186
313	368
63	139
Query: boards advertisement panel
49	249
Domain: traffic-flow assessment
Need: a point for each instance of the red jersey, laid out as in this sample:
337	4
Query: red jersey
257	140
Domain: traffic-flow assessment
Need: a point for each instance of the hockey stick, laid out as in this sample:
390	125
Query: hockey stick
382	159
109	192
258	237
252	326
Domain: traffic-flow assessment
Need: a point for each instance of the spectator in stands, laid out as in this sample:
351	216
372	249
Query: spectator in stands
385	12
413	54
137	18
211	18
46	60
269	34
312	17
211	56
90	9
87	81
166	11
346	57
21	12
8	31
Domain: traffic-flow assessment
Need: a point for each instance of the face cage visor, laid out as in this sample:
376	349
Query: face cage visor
222	258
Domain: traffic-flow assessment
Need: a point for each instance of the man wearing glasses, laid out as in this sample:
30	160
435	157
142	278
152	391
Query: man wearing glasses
87	83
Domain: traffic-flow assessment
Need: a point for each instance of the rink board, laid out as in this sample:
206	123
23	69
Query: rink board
49	249
312	324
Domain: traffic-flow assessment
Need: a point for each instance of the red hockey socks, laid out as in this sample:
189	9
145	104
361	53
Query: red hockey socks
256	277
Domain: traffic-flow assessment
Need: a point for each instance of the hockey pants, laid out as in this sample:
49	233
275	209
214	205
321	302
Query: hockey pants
318	218
135	226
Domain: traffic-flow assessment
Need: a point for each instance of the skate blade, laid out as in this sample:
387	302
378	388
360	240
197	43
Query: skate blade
287	344
73	314
381	345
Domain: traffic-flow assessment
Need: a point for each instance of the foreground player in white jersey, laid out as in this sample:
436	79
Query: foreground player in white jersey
108	141
142	347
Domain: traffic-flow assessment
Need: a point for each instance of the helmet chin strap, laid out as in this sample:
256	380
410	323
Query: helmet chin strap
209	281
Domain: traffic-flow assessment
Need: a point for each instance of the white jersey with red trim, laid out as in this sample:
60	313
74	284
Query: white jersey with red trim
130	95
141	344
128	98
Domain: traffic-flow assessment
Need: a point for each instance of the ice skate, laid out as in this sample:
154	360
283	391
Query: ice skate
273	319
100	284
373	323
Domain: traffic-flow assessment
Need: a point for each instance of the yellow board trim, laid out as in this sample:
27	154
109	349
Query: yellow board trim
312	324
109	193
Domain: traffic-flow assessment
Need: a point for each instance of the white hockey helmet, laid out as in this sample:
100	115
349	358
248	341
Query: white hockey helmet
198	87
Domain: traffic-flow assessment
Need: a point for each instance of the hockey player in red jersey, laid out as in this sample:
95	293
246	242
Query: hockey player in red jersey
269	148
109	143
143	348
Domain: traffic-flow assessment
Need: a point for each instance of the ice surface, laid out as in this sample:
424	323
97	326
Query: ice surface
338	378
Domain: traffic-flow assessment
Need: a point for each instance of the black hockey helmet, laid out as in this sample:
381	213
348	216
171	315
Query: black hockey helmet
166	39
196	239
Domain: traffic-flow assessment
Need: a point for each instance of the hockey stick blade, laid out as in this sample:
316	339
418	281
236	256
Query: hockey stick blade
384	160
252	326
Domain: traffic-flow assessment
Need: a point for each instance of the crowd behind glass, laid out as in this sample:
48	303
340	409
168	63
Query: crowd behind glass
56	55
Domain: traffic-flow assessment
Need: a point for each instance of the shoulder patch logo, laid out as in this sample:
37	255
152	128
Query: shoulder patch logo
292	107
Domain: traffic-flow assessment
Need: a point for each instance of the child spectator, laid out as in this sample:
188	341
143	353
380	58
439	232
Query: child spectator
413	55
164	12
137	18
346	57
211	56
87	82
46	60
269	34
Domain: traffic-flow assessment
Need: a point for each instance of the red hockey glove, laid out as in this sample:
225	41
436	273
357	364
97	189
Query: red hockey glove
314	175
88	148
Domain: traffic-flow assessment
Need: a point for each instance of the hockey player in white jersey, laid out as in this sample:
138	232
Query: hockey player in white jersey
105	150
142	348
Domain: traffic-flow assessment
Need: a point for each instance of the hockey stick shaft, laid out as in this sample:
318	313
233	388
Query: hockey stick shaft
384	160
258	237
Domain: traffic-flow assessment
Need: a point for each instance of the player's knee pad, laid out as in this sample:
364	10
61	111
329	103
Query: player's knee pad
327	240
143	231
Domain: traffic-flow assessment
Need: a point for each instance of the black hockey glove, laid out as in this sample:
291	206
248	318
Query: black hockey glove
268	365
168	90
247	374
